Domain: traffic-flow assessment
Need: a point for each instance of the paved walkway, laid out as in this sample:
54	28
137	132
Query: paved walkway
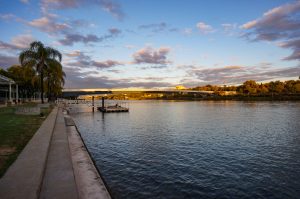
59	180
53	165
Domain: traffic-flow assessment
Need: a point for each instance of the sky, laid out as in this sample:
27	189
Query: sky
147	44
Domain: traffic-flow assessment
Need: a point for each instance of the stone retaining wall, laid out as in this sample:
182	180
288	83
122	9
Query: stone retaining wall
28	110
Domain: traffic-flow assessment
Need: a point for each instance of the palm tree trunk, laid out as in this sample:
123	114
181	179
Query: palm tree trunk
42	86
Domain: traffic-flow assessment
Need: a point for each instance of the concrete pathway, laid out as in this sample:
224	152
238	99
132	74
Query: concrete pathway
59	180
47	169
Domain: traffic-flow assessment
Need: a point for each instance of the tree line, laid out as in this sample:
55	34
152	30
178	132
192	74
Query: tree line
40	70
251	87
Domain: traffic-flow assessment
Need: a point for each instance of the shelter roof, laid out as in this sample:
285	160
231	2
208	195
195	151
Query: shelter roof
6	80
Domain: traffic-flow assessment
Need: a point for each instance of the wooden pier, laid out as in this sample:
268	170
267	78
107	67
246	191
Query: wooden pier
111	109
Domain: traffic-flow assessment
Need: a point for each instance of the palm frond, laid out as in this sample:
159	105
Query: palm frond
36	45
53	53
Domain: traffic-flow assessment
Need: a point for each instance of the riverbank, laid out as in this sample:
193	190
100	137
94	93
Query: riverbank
54	164
237	98
198	96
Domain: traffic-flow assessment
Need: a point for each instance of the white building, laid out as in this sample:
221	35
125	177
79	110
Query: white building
8	90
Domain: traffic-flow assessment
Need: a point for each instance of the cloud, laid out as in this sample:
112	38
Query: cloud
17	43
204	28
77	79
7	46
229	28
158	27
7	61
149	55
109	6
187	31
7	17
294	44
82	72
81	23
281	15
75	53
25	1
71	38
278	24
48	24
114	32
129	46
105	64
114	71
22	41
81	60
60	4
239	74
153	67
113	8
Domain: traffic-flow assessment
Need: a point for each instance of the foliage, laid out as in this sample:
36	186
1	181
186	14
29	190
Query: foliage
44	60
250	87
40	68
25	78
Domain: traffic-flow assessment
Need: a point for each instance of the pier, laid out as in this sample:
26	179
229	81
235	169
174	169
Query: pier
102	106
112	108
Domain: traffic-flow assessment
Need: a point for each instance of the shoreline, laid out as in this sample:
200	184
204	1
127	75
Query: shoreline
91	160
54	164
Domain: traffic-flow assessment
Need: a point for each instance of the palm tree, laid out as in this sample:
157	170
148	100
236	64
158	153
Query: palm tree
39	57
55	79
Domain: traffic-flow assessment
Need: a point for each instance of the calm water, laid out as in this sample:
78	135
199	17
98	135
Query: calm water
197	149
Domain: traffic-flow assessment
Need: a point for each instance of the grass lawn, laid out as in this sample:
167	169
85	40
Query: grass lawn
15	132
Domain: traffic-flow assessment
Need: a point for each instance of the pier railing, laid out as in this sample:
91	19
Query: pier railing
93	104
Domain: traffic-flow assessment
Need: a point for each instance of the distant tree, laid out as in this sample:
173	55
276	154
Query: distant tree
250	87
279	87
297	87
262	89
289	86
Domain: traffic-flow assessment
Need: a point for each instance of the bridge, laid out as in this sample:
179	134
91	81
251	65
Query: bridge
74	94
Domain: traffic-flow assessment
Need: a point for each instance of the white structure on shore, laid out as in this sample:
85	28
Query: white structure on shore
9	82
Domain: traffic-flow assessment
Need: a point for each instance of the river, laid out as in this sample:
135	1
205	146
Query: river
206	149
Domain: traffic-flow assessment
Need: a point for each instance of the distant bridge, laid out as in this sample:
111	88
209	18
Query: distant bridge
76	93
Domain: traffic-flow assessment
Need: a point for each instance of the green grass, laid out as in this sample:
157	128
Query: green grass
15	132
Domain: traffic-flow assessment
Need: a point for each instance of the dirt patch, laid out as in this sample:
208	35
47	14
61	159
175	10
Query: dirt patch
5	151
